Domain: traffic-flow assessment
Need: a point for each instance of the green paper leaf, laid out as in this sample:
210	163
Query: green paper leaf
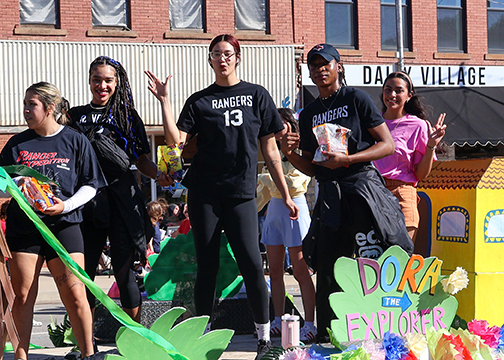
187	337
174	271
23	170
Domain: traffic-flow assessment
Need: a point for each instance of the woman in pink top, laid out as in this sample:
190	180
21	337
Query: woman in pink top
415	140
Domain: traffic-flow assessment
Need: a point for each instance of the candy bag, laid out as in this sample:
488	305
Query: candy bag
330	137
170	160
39	195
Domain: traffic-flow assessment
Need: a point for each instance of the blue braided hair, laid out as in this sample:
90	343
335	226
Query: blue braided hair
120	109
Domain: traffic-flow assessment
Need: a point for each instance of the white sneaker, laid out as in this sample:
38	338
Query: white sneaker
308	333
36	323
275	328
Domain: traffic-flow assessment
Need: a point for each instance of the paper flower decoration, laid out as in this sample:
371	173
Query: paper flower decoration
458	344
475	345
315	355
501	339
416	343
295	354
394	346
375	349
490	335
359	354
457	281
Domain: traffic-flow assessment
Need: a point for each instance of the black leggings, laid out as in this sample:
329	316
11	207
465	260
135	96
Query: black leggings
238	218
122	253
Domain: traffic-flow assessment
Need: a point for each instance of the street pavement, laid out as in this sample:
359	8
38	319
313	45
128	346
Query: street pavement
49	307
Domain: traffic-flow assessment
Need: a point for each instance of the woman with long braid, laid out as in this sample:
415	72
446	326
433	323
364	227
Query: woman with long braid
118	211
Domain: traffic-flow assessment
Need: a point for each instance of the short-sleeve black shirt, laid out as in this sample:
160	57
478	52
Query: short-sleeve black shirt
353	109
67	158
228	121
85	117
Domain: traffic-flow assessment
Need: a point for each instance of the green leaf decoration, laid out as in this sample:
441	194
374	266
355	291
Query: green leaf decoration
459	323
274	353
61	335
372	300
10	348
174	271
186	337
334	341
23	170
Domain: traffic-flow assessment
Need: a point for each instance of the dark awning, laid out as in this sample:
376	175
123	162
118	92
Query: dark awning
474	115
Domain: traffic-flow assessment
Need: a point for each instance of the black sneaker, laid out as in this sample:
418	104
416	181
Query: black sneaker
263	347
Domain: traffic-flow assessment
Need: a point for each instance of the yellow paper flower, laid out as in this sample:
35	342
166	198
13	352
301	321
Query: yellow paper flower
457	281
416	343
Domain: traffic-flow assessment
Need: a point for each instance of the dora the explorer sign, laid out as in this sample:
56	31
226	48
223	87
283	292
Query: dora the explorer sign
395	293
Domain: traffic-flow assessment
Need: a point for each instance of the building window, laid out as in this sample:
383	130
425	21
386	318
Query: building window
388	25
250	15
340	23
494	226
186	14
495	26
453	224
450	15
38	12
110	13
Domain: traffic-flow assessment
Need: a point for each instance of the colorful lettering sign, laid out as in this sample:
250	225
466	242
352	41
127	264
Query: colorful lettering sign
395	293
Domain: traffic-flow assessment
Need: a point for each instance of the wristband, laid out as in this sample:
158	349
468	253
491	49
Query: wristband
432	148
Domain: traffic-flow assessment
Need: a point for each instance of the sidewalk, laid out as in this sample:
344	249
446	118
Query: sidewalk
49	305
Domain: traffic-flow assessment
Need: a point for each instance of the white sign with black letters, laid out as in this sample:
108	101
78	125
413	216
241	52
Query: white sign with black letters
421	75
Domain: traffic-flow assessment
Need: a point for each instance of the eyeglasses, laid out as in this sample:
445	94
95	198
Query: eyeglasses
216	55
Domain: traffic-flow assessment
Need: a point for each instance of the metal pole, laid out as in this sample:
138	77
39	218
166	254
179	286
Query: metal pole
400	42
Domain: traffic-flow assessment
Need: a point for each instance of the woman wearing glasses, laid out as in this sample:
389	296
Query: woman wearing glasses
229	117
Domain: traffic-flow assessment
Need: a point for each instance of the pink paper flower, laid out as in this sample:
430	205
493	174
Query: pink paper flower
489	335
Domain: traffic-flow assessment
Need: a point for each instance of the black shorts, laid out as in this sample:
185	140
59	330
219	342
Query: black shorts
68	234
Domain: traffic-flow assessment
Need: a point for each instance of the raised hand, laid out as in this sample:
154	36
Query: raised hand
437	132
156	86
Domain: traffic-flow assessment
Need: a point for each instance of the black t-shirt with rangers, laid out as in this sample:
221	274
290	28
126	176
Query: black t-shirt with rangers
67	158
228	121
85	118
353	109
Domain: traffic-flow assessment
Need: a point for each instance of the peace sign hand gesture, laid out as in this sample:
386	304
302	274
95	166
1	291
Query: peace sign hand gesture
436	132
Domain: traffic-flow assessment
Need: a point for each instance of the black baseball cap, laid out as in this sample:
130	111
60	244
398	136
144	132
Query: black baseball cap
327	51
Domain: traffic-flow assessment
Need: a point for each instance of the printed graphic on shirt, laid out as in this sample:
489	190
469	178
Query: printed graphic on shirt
232	101
331	115
368	246
35	158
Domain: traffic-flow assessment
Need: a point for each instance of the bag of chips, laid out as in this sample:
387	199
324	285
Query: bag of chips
330	137
170	160
39	195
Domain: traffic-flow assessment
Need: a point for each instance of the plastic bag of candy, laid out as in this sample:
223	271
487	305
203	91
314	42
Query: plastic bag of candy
38	194
332	138
170	160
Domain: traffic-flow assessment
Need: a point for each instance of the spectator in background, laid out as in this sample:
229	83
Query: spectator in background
281	232
185	225
155	211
